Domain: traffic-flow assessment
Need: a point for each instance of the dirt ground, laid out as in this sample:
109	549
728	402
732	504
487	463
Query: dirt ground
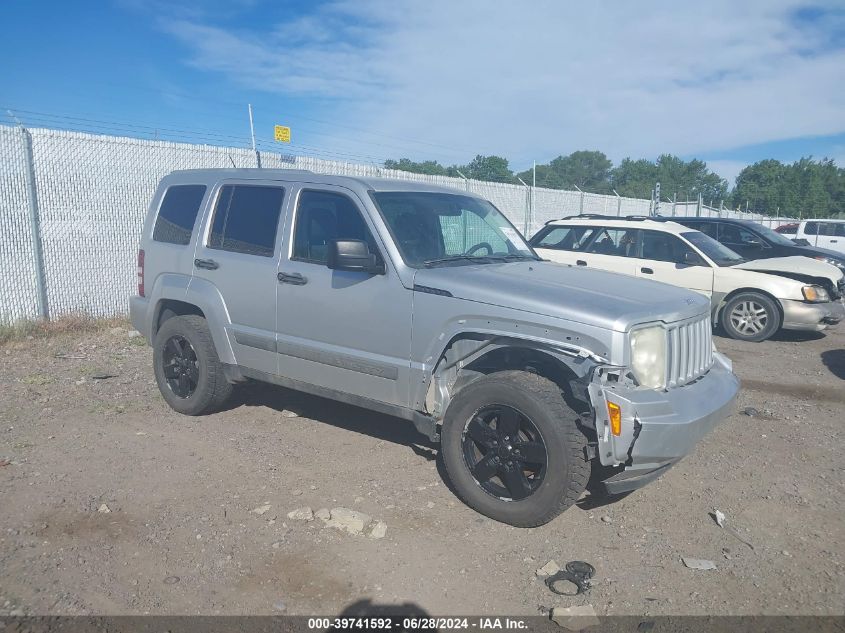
82	425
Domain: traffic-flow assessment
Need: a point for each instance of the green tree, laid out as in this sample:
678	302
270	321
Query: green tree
687	179
635	178
806	188
490	168
588	170
430	167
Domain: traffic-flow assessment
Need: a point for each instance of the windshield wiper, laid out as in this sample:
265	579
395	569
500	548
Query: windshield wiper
513	257
454	258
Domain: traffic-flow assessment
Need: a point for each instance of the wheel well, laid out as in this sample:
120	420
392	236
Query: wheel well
468	358
739	291
169	308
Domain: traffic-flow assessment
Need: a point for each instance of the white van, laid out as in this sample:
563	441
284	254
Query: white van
823	234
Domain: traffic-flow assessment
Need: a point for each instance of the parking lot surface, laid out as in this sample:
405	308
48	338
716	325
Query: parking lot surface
114	504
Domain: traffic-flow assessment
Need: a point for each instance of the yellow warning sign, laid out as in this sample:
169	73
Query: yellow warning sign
281	133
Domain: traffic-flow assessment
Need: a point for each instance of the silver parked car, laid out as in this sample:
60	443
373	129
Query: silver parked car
427	304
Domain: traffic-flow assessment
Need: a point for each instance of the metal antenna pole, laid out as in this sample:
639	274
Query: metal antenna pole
252	134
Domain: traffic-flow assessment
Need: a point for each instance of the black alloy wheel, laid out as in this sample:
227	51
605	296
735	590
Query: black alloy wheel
505	452
180	365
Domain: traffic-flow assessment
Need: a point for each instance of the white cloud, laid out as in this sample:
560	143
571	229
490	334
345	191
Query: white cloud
533	80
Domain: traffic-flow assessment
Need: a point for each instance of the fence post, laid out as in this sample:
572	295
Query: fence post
618	203
527	222
35	226
581	204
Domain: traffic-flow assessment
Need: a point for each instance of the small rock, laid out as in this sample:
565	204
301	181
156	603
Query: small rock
429	505
575	618
751	412
378	530
133	334
697	563
16	613
323	514
301	514
348	520
548	569
140	433
606	519
296	493
103	509
287	413
719	517
171	580
261	509
277	545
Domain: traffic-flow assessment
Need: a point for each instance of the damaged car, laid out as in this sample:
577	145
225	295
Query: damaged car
751	300
425	303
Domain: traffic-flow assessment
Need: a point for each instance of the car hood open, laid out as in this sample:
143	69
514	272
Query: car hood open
609	300
795	265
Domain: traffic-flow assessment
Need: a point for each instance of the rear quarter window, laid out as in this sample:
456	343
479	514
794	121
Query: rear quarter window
178	214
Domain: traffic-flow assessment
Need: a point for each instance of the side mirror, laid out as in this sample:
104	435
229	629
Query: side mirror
353	255
693	259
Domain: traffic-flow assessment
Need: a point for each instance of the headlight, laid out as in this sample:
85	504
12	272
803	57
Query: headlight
648	356
815	294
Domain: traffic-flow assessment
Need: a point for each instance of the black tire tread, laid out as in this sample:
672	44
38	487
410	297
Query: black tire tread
218	388
550	396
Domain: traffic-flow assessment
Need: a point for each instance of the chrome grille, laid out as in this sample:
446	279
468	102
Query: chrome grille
689	351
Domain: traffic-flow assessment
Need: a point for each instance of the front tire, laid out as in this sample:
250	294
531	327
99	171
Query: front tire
751	316
187	369
513	450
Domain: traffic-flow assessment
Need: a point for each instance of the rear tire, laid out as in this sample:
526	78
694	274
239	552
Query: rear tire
493	434
187	369
750	316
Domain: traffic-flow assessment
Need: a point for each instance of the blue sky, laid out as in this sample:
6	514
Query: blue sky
366	80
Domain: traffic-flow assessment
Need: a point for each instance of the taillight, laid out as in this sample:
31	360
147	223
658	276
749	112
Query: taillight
141	272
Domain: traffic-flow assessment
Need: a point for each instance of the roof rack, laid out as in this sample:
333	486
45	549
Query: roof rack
584	215
632	218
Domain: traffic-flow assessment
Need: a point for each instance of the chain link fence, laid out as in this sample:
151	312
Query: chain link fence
72	205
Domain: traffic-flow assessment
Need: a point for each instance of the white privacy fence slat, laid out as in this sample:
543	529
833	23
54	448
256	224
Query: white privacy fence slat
90	193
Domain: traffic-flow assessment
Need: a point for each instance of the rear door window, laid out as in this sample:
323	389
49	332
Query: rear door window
246	219
617	242
178	214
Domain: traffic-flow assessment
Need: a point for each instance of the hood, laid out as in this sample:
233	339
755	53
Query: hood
594	297
794	265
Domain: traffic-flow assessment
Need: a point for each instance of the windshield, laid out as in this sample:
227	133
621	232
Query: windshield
433	229
719	253
773	236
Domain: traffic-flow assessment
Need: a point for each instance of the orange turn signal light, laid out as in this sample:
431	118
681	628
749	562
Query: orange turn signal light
614	412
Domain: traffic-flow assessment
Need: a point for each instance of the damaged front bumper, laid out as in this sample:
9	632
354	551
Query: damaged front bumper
658	428
800	315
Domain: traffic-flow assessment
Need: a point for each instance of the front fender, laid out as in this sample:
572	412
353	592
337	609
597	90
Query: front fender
440	320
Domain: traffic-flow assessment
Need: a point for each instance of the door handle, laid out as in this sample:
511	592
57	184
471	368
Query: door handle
647	271
292	278
207	264
581	262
